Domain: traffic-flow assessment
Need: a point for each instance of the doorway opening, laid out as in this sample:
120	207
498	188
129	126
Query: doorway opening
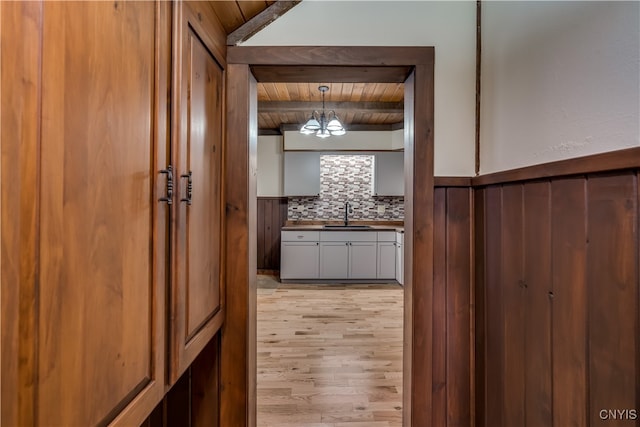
412	66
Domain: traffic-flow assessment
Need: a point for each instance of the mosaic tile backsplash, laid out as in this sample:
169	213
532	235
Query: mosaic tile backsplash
346	178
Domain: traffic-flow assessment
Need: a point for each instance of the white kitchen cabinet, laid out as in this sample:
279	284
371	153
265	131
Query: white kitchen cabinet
386	260
388	174
334	260
400	257
348	255
362	260
300	255
302	173
386	266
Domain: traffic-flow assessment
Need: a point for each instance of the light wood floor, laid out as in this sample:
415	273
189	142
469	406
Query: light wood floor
329	355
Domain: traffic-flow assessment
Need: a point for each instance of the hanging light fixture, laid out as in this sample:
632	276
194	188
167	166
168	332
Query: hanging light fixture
323	125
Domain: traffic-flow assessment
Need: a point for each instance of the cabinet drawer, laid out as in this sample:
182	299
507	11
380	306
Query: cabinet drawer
300	236
386	236
348	236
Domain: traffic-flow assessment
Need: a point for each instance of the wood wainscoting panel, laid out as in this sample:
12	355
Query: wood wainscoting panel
561	300
513	294
537	310
569	303
272	216
452	311
612	280
493	393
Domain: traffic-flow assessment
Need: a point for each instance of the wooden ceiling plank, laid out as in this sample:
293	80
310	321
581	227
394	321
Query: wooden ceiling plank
228	14
251	8
260	21
328	74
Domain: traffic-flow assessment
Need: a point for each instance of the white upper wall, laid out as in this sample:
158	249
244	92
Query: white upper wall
559	80
449	26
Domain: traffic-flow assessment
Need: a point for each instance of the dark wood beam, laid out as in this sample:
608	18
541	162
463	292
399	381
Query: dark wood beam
354	127
327	74
341	106
260	21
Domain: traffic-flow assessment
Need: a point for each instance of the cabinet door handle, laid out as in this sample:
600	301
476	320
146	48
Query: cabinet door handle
189	177
169	195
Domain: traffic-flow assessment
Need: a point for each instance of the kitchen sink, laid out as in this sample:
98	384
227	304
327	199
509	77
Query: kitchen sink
346	227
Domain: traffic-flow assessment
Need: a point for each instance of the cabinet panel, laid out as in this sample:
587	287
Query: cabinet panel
362	260
196	292
389	174
100	322
386	260
334	260
301	173
300	260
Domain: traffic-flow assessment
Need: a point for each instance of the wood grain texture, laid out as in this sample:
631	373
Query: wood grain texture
458	309
494	308
98	217
570	342
610	161
479	366
612	278
271	216
329	354
239	221
452	345
569	304
537	310
197	306
205	386
345	56
440	288
20	142
514	304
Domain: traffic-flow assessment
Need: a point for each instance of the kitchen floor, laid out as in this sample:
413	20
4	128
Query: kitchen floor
329	355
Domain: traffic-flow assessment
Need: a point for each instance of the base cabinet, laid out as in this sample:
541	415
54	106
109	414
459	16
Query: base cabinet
300	260
387	260
300	255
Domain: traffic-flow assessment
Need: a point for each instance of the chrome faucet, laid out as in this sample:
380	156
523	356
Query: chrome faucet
347	210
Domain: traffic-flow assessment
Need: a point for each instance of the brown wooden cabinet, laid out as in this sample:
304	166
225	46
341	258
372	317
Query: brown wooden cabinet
109	293
197	309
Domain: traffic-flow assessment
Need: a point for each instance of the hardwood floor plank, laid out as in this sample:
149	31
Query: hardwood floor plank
329	355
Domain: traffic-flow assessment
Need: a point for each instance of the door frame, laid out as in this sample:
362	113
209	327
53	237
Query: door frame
413	66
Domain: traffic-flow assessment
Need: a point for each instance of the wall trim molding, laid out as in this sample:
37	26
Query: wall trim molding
605	162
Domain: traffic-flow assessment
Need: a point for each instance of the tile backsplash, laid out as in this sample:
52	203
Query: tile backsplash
346	178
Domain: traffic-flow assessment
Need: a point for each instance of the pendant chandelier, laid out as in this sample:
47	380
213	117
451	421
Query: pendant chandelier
323	125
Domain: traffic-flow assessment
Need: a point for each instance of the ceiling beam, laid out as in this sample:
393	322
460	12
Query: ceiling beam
330	74
340	106
353	127
260	21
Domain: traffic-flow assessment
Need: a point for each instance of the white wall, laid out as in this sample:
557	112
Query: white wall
270	166
559	80
356	140
449	26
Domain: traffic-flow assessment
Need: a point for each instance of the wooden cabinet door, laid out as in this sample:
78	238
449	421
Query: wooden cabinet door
98	349
196	294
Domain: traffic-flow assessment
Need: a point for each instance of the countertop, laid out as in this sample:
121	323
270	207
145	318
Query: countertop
320	227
